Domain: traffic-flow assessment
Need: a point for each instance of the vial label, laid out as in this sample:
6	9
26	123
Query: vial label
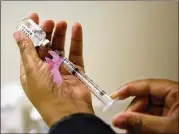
26	31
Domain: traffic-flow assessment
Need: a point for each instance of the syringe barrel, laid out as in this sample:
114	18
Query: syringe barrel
98	92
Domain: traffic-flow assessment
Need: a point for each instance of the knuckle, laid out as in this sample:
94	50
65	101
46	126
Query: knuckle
29	69
127	89
174	94
39	65
23	47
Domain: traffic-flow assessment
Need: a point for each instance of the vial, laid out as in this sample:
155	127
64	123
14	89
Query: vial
34	32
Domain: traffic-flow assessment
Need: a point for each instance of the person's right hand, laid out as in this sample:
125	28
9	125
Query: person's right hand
153	110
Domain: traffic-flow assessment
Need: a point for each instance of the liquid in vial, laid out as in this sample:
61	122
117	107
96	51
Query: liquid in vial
34	32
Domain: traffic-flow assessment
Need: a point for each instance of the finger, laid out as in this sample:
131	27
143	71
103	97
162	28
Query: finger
58	39
138	104
34	17
75	55
48	27
155	87
28	52
174	109
140	123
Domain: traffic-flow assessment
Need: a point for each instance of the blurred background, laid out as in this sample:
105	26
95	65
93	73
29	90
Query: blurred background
123	41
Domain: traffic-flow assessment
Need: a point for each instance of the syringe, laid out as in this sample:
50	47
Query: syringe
95	89
37	35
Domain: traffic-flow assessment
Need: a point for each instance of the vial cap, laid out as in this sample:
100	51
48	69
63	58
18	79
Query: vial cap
44	43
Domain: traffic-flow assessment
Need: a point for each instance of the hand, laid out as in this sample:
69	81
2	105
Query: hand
153	110
53	101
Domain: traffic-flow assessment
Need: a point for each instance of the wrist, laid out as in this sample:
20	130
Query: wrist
54	111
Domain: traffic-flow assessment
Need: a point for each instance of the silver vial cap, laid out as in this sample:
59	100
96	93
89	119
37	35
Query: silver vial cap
45	43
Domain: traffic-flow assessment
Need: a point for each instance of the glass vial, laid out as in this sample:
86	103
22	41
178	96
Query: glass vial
34	32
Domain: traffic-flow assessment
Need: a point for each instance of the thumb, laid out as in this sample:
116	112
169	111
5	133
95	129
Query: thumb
28	52
140	123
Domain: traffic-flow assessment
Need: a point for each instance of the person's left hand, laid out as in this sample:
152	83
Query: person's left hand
154	109
53	101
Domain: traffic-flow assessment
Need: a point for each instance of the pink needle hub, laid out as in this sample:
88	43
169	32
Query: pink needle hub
55	63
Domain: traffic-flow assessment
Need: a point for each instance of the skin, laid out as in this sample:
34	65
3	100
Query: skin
154	108
53	101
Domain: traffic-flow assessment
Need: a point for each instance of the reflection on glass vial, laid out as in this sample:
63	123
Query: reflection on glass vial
34	32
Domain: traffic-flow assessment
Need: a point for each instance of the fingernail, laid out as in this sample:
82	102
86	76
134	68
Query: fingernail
76	26
118	93
120	121
17	36
113	95
62	24
48	60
